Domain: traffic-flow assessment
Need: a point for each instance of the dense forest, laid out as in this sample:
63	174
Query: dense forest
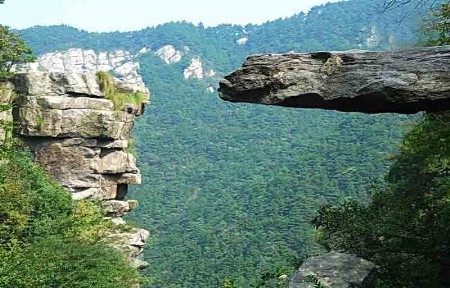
230	190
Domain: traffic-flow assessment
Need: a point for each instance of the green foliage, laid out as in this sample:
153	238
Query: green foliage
313	278
438	26
58	263
48	240
13	50
405	230
229	190
120	99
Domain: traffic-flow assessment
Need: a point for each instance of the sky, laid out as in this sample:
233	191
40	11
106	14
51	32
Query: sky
129	15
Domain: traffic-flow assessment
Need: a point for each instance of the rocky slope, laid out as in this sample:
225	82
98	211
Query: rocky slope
371	82
81	138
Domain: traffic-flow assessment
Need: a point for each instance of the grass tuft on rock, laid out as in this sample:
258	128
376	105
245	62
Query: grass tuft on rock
119	98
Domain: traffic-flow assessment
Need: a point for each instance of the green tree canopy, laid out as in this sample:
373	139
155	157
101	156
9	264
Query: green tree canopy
13	50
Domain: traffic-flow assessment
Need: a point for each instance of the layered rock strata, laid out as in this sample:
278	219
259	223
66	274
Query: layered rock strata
360	81
119	62
81	139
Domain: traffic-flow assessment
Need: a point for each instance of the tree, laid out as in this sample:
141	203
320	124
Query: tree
13	50
438	27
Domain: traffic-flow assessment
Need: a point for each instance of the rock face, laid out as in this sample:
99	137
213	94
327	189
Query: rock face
335	270
6	96
81	139
195	69
122	63
76	134
169	54
369	82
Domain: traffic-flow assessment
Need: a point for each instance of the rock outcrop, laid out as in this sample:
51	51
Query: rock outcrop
76	134
195	69
335	270
169	54
370	82
81	138
120	62
7	94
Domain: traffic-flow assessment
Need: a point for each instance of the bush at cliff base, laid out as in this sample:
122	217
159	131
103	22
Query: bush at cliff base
406	228
46	239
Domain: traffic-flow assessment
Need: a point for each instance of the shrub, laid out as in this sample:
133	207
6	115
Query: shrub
120	99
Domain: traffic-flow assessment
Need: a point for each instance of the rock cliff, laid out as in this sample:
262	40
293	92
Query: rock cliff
360	81
120	62
81	138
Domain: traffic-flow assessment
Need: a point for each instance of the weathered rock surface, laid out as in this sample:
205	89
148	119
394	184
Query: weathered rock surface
81	139
371	82
195	69
335	270
6	96
120	62
76	134
169	54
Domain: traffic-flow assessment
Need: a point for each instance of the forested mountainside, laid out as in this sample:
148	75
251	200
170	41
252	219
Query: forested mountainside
229	190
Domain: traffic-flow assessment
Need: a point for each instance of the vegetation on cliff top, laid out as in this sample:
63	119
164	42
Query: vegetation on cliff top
13	50
120	99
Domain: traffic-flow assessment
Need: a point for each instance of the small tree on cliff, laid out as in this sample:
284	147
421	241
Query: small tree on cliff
13	50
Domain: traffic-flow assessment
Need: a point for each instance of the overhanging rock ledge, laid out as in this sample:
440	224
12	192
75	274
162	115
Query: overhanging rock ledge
353	81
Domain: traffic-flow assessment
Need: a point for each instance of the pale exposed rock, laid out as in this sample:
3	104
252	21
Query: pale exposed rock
113	162
6	96
132	241
80	61
114	144
335	270
211	73
54	84
80	138
371	82
242	41
130	178
372	40
138	263
85	194
195	69
118	221
64	103
84	123
169	54
144	50
116	208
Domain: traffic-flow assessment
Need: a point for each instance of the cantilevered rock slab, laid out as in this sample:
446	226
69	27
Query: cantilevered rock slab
354	81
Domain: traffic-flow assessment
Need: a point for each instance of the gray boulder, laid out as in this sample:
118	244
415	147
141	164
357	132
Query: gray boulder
335	270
